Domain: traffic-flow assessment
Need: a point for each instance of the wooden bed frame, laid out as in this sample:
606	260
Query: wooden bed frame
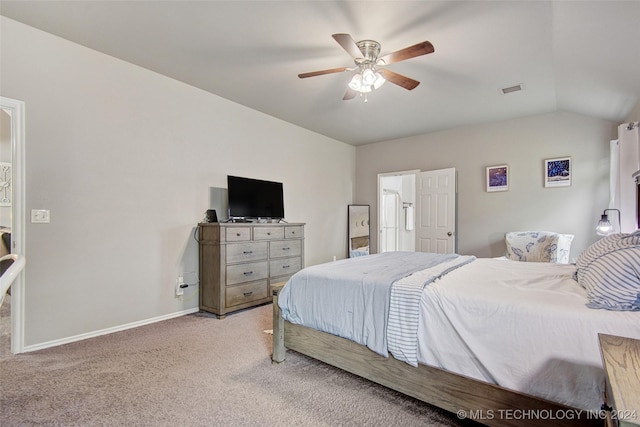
483	402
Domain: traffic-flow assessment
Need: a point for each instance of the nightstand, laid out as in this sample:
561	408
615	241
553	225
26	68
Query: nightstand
621	362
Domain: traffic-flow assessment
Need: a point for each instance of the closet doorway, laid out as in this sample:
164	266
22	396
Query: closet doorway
12	211
396	211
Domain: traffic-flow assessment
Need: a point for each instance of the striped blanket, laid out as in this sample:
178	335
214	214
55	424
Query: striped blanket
404	308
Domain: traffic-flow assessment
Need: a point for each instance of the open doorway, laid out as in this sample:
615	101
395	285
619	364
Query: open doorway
396	210
12	219
5	226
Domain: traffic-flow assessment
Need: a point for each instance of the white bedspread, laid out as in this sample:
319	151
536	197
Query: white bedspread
521	325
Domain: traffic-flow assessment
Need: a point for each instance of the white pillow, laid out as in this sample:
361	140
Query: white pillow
538	246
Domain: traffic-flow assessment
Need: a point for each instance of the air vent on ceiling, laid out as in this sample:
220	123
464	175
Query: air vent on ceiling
511	89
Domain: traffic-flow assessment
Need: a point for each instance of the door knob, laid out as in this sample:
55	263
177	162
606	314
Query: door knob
449	234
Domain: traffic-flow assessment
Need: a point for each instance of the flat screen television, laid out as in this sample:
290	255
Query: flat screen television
254	198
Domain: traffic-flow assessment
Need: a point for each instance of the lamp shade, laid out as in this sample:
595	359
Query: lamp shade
366	81
604	227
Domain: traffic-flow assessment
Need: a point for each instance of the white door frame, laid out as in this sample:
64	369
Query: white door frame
16	109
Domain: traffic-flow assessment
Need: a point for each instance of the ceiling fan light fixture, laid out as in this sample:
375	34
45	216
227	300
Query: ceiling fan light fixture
368	77
366	81
379	81
365	56
356	82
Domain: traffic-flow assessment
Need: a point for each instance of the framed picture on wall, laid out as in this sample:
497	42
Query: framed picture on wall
557	172
497	178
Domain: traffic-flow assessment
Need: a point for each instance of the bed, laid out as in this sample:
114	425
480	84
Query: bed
476	321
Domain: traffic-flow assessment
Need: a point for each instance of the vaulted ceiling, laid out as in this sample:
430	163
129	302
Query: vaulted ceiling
577	56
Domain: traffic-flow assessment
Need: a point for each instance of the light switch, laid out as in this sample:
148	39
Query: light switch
40	216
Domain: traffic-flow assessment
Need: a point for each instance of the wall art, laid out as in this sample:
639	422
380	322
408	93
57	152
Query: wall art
557	172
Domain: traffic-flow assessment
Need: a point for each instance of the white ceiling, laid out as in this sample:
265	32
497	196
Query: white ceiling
579	56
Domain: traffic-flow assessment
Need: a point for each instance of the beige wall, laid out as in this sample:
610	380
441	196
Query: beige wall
125	158
523	144
634	115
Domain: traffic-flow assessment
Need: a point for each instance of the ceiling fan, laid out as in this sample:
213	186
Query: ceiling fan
369	72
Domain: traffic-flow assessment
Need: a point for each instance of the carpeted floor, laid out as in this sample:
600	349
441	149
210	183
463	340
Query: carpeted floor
195	370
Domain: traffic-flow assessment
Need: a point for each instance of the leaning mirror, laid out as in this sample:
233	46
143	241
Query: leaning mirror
358	239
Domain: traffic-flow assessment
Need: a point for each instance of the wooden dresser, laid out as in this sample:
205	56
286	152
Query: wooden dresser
239	261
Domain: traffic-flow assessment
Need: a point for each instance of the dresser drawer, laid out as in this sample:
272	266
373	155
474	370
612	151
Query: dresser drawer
241	294
249	251
248	272
294	231
285	266
268	233
237	234
284	248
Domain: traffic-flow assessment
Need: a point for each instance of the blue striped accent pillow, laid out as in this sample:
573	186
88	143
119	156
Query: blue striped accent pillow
609	270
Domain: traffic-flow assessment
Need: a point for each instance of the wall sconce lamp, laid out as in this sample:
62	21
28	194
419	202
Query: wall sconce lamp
604	227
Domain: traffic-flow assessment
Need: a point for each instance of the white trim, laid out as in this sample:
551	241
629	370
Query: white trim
106	331
18	219
614	167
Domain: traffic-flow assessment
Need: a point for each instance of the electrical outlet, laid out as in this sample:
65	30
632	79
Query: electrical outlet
40	216
179	283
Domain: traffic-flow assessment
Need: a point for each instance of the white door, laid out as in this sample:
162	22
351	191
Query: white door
436	211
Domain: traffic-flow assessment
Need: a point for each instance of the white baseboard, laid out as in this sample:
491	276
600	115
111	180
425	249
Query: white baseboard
106	331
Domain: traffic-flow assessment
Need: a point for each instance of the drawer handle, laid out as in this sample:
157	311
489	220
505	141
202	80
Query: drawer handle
268	233
247	294
238	234
293	232
286	266
286	249
248	273
247	252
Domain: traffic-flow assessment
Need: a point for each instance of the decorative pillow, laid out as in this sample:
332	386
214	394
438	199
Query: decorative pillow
538	246
609	270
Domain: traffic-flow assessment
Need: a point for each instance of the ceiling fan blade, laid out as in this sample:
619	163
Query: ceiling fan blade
348	44
349	94
407	53
320	73
399	79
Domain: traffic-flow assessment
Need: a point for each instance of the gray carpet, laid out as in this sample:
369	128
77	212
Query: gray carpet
195	370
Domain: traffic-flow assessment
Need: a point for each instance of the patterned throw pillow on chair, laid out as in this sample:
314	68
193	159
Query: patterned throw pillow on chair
538	246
